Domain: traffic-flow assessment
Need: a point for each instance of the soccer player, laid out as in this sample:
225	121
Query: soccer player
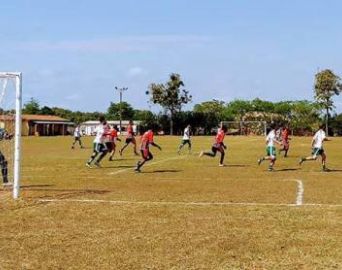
4	170
317	148
99	147
130	139
113	136
186	139
218	145
271	140
285	140
146	141
77	137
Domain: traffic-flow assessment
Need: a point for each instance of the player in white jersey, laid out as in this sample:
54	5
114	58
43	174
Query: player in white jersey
317	148
271	155
186	139
77	137
99	146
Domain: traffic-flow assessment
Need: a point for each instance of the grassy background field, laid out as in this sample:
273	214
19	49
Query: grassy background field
181	212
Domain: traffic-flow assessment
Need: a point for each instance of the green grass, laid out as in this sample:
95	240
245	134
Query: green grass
147	221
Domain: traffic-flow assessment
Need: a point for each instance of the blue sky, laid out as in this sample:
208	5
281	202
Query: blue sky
73	53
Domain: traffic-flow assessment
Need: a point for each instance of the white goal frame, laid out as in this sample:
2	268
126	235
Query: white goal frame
241	123
17	76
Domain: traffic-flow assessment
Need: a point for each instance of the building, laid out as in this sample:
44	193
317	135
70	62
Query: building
38	125
88	127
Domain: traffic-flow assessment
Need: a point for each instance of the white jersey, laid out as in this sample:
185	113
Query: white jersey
319	139
270	139
77	132
186	135
100	131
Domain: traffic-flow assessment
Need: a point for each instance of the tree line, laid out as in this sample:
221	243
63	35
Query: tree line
302	116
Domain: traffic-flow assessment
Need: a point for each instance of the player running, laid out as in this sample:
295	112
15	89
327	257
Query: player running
285	140
130	139
271	140
317	148
186	139
146	141
113	138
218	145
99	146
77	137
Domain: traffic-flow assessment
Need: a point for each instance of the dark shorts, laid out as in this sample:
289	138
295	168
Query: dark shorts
217	147
146	154
110	146
99	147
184	142
317	151
130	140
77	139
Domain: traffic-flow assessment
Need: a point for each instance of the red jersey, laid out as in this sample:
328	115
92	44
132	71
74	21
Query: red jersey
130	132
113	135
285	134
147	139
219	136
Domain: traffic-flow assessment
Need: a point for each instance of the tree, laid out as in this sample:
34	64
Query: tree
46	111
171	96
127	111
31	107
327	84
238	108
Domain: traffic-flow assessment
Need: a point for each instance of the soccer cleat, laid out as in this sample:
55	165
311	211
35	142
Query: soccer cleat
201	154
72	147
270	169
120	152
7	184
137	170
260	160
301	161
97	165
222	165
88	165
110	159
324	169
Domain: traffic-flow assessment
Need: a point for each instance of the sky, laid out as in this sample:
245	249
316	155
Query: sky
73	53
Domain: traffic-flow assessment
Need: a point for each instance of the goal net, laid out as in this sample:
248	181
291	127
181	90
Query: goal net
247	128
10	130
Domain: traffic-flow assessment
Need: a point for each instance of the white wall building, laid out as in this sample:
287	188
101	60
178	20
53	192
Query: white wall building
88	127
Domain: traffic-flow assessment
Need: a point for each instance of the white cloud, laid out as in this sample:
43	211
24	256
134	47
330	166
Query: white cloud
135	72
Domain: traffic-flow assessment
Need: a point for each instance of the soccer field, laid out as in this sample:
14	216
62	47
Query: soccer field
181	212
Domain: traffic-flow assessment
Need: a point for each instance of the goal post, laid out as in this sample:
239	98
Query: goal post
15	108
246	127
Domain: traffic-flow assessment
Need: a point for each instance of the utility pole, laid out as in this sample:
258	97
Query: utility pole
121	90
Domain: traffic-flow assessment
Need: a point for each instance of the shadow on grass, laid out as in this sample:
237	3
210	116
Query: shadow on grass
164	171
237	165
287	170
68	193
35	186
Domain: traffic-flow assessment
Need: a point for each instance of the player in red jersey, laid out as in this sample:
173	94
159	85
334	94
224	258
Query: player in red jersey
285	140
113	138
146	141
130	139
218	145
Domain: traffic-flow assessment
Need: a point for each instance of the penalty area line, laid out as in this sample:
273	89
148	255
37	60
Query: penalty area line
161	203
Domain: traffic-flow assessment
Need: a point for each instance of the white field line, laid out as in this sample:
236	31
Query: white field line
300	193
147	165
161	203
